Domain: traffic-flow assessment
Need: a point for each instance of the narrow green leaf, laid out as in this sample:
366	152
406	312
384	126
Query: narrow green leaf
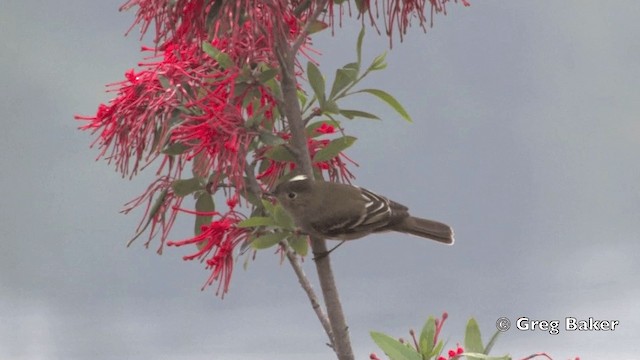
175	148
282	218
279	153
252	95
353	69
223	59
437	350
351	114
254	120
316	26
209	49
255	221
394	349
427	336
204	203
268	206
344	78
472	338
330	107
300	244
362	6
491	342
268	240
378	62
152	214
334	148
270	139
302	97
184	187
386	97
240	89
359	47
267	75
164	82
317	82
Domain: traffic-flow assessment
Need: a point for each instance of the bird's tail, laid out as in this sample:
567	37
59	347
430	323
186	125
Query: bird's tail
427	229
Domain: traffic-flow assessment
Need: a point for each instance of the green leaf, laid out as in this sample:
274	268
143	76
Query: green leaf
427	335
362	6
164	82
378	62
351	114
394	349
268	206
344	78
386	97
359	47
437	350
256	221
223	59
334	148
152	213
316	26
175	149
185	187
300	245
491	342
317	82
302	97
204	203
271	139
267	75
279	153
268	240
472	338
330	107
282	218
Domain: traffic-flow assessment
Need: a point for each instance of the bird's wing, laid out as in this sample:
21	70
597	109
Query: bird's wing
376	215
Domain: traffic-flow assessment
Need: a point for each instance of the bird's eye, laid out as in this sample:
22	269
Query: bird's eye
292	195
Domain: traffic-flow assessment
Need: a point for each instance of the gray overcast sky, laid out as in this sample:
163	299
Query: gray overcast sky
526	139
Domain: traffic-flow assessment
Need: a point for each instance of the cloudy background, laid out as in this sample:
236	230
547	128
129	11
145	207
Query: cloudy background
526	140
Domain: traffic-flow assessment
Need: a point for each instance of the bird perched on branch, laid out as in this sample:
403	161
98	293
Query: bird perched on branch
345	212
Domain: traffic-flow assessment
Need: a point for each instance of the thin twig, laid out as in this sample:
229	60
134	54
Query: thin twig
306	286
255	189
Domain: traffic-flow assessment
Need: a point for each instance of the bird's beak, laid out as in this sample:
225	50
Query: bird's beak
268	194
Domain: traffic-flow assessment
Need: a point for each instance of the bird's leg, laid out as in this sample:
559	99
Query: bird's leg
320	256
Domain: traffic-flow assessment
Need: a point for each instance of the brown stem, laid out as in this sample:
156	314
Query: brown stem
340	330
306	286
255	189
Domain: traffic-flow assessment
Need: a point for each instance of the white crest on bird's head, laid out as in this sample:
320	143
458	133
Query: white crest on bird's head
299	178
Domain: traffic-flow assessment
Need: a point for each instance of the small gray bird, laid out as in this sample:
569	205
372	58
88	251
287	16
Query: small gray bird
345	212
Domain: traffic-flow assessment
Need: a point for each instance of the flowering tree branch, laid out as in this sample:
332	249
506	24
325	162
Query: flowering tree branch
340	330
217	104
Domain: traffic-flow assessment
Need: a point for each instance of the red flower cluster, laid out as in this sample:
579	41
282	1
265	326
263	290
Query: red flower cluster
200	98
217	242
453	353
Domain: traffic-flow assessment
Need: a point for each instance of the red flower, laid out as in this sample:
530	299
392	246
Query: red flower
325	129
217	242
